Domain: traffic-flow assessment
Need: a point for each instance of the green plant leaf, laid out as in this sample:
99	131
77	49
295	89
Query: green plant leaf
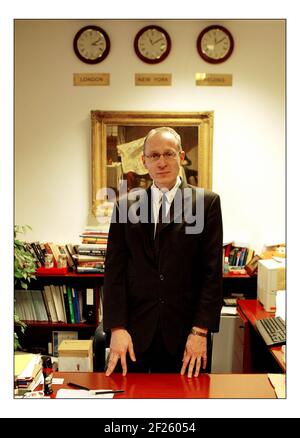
24	272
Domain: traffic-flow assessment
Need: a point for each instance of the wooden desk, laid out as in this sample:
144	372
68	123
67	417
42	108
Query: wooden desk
252	310
163	386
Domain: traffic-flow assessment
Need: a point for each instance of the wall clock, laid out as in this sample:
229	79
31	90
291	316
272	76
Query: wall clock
91	44
152	44
215	44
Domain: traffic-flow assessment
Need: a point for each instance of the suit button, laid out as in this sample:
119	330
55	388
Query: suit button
162	301
161	277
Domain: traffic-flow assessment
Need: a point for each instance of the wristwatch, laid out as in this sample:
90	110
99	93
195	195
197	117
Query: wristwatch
195	332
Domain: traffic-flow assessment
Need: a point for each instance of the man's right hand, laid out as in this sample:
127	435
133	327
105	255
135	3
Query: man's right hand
120	343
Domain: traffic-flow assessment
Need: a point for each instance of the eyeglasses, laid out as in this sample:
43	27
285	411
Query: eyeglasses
168	156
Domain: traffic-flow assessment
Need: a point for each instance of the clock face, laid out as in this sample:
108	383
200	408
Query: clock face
91	44
152	44
215	44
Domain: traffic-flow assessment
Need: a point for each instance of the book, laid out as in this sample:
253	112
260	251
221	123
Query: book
58	303
51	305
242	256
62	298
92	249
21	361
89	270
55	252
27	369
24	303
94	233
71	263
70	301
38	253
91	246
66	303
96	252
90	264
238	254
88	258
73	249
75	305
251	267
46	305
42	306
250	255
80	294
17	307
89	311
39	306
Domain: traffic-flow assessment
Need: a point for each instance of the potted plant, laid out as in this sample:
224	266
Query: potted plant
24	272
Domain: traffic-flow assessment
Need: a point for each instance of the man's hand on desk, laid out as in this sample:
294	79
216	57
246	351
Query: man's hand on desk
195	353
120	343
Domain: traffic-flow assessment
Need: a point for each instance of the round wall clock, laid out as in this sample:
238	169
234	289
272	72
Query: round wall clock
152	44
91	44
215	44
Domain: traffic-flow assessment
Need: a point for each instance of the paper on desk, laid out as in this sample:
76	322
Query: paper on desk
278	383
81	393
26	366
21	361
228	310
57	380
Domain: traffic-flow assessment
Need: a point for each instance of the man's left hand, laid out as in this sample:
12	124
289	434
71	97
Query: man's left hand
195	355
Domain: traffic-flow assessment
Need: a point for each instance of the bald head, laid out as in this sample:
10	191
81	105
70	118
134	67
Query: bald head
161	131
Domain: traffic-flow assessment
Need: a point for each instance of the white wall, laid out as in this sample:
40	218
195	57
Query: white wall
52	120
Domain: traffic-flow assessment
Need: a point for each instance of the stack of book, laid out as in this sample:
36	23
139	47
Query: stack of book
39	250
27	372
92	252
237	255
56	303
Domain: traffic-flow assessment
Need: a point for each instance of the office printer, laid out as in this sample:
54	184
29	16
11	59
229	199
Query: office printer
270	279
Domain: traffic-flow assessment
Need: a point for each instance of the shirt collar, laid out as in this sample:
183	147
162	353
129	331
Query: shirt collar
157	193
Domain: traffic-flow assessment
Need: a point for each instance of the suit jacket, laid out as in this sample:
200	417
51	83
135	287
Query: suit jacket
175	280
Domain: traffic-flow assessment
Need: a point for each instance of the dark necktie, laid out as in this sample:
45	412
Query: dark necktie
161	214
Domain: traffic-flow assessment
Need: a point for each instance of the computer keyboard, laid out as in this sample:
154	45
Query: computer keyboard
272	330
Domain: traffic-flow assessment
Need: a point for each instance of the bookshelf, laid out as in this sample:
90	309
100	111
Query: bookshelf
39	333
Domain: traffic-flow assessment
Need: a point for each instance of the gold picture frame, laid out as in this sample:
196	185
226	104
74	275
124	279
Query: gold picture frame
197	124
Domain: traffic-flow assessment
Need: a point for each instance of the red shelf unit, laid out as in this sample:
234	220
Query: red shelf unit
39	333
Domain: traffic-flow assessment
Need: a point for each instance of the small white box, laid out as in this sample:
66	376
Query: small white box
270	279
75	355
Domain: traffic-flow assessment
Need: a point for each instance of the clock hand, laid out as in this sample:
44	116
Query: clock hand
96	42
217	42
154	42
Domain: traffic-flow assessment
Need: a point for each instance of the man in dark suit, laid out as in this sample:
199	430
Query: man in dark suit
163	272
